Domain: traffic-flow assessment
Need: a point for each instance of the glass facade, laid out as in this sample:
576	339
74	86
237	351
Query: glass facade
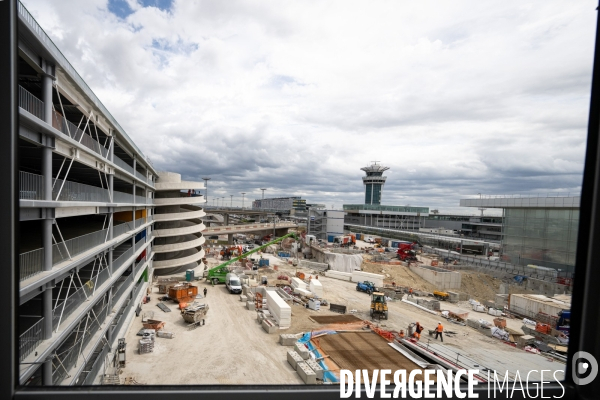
407	209
544	237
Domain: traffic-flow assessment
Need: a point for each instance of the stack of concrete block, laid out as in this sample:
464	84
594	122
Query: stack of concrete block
269	326
501	300
316	368
250	305
344	276
287	339
306	373
243	298
473	323
294	358
245	289
316	287
302	350
298	283
283	294
303	292
360	276
494	312
279	309
146	346
453	297
524	340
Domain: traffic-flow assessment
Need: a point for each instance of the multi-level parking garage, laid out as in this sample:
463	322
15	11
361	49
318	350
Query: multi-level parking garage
178	226
87	197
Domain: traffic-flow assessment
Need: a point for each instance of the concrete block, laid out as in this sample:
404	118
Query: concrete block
302	350
473	323
269	326
316	368
243	298
250	305
287	339
504	288
293	359
306	373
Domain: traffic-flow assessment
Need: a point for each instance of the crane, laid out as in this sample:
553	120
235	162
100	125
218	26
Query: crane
218	273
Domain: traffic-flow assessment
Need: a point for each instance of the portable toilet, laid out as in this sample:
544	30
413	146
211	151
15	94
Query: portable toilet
359	236
189	275
330	238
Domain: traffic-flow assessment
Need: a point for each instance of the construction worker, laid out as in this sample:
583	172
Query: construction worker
418	330
438	331
205	290
410	293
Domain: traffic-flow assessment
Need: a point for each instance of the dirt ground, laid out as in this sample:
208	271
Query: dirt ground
232	348
477	285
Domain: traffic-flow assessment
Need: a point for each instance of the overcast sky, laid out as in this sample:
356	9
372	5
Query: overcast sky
456	97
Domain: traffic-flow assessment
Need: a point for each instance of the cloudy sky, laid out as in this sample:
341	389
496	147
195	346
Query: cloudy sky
457	98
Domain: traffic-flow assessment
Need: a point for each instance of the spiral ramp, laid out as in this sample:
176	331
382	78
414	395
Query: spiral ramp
178	242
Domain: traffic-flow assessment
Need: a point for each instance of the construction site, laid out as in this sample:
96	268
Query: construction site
304	311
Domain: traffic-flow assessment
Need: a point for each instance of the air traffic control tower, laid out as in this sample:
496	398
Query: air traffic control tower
374	182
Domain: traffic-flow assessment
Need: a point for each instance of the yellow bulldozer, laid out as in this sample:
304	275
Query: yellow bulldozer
379	305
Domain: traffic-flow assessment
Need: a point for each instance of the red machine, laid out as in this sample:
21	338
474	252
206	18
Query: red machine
406	252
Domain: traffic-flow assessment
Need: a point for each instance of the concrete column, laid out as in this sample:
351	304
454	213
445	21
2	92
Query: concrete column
230	238
461	247
47	373
226	219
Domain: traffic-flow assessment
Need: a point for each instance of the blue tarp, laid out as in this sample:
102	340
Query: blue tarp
519	278
328	376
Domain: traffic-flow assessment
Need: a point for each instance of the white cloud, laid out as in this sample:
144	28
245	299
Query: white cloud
457	98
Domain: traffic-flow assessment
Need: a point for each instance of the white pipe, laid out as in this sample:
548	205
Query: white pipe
421	307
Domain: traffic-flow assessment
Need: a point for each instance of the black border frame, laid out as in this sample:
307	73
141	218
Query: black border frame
585	308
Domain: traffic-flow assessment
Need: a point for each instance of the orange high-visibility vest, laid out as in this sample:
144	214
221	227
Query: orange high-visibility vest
440	328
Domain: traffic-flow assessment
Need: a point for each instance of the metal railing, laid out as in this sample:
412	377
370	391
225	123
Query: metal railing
89	374
71	130
30	103
77	245
143	200
31	263
66	65
124	286
122	258
141	175
120	229
139	222
31	186
120	197
72	354
67	306
140	242
139	264
31	338
73	191
123	164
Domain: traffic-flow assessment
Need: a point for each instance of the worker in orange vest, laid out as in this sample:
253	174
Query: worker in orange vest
401	334
410	293
418	330
438	331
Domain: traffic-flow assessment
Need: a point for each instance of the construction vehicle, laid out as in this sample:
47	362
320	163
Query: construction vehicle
407	253
218	274
564	322
379	305
229	251
441	295
366	286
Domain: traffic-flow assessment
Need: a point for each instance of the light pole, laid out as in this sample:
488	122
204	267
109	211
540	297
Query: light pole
206	188
243	193
263	196
231	204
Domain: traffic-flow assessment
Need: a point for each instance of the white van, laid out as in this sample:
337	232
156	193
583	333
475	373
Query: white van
233	283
